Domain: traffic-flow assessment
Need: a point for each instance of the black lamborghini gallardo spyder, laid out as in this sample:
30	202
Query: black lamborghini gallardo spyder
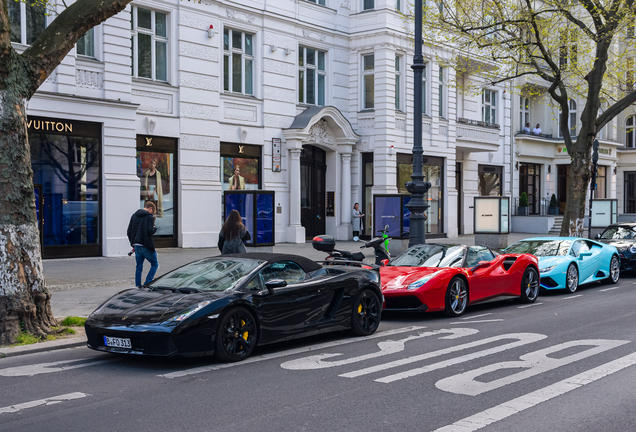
227	305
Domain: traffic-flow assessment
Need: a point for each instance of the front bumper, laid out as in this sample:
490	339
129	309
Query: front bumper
628	261
404	303
152	340
552	280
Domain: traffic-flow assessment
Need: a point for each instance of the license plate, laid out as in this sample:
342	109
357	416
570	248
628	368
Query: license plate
117	342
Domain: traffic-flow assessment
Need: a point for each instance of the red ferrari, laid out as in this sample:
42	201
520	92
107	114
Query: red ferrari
436	277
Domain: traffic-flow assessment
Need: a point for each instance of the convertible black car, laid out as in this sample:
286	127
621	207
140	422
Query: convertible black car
228	305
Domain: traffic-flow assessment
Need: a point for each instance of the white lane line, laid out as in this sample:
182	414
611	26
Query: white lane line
47	401
477	321
571	297
42	368
514	406
529	305
477	316
260	358
609	289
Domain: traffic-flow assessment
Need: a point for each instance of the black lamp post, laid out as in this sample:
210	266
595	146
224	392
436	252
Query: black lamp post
417	187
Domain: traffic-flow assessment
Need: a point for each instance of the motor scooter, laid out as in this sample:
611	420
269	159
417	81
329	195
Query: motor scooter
380	245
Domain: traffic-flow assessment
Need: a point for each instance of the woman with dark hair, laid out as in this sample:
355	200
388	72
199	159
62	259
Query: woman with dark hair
357	216
233	234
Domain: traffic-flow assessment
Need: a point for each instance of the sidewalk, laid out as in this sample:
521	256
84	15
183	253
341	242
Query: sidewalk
79	285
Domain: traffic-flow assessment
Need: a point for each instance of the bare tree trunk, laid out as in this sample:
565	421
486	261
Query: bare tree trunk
24	299
577	192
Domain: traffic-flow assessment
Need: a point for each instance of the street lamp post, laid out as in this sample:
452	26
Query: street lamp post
417	187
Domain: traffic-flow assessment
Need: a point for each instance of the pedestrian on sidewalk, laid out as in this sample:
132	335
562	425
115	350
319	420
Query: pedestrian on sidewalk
140	231
233	234
357	221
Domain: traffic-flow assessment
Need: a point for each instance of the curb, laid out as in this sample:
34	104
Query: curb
42	347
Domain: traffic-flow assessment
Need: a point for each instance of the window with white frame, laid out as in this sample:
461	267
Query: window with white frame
86	44
27	20
368	5
368	81
630	132
398	5
442	92
311	76
150	44
489	106
320	2
571	119
238	62
524	114
424	90
398	84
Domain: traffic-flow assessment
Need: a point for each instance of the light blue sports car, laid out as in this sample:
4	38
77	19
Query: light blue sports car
567	262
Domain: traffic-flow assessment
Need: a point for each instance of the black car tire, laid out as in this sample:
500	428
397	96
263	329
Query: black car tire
457	290
614	271
366	313
236	335
529	285
572	285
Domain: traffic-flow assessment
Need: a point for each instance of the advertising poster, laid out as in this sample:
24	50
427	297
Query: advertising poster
264	218
486	215
154	170
244	204
239	173
406	216
388	211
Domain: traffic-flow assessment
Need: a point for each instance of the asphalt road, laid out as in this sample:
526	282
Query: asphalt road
566	363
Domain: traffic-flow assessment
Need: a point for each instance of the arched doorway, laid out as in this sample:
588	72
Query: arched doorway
313	166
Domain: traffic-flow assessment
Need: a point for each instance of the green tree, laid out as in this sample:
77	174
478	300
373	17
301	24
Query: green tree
575	50
24	299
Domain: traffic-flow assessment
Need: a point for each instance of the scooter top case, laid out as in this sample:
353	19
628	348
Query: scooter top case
324	243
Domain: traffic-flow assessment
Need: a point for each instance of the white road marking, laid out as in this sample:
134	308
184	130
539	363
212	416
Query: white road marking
521	339
477	316
529	305
386	348
477	321
532	364
515	406
609	289
42	368
571	297
202	369
48	401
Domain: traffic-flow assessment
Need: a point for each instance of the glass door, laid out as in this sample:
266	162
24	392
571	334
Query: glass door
367	195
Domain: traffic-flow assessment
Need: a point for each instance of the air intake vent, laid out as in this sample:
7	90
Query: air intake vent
508	262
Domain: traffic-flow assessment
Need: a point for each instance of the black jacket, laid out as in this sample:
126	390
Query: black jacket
141	228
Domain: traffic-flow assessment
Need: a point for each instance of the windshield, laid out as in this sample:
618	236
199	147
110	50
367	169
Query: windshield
618	233
541	248
211	274
430	256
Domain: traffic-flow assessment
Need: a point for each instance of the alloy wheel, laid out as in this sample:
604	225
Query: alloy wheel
531	285
238	334
458	296
572	278
615	269
368	312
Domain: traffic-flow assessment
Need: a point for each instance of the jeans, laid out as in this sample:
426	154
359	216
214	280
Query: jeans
142	253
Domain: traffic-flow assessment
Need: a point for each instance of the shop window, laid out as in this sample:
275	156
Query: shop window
65	157
433	168
27	20
490	180
149	44
157	172
238	62
601	182
311	76
368	81
86	44
241	166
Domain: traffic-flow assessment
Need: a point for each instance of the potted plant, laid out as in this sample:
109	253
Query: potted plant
523	205
553	210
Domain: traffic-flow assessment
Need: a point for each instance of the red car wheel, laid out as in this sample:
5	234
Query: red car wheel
456	297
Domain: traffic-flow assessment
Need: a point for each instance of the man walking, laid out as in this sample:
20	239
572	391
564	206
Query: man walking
140	231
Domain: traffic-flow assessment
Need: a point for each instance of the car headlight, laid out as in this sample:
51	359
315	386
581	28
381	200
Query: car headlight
547	269
632	249
420	282
190	311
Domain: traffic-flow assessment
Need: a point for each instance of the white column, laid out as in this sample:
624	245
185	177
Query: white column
296	232
345	219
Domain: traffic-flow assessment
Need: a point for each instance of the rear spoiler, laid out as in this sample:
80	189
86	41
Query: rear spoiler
350	263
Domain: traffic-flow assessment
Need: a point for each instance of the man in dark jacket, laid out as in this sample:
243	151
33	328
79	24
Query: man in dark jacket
140	231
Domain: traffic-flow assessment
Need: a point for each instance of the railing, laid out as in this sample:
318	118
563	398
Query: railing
540	207
477	123
541	135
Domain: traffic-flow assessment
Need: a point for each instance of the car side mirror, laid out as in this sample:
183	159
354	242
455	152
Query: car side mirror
275	283
598	236
585	254
480	265
385	262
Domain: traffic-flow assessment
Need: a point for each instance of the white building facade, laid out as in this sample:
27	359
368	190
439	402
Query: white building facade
176	102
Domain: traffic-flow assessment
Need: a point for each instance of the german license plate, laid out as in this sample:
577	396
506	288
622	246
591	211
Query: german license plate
117	342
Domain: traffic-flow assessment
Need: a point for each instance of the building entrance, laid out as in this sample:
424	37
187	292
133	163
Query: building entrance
313	167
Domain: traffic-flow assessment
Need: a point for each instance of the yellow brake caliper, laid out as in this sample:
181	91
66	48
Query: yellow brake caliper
245	334
359	308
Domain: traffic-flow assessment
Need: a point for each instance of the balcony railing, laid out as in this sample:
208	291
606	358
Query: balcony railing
477	123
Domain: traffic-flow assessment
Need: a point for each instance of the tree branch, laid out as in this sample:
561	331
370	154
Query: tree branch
50	48
615	109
